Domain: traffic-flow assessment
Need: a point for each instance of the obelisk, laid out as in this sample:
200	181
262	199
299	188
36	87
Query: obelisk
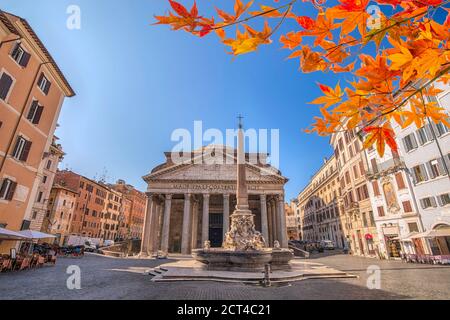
242	235
242	193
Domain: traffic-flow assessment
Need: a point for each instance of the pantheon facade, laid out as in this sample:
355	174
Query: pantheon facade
191	202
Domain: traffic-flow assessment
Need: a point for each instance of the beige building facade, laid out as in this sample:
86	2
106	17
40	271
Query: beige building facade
318	206
359	223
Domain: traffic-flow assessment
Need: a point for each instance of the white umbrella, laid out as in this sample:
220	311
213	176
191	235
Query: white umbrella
6	234
31	234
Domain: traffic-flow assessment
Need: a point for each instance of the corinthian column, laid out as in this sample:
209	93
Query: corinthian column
146	232
205	218
264	223
186	223
282	222
166	224
226	214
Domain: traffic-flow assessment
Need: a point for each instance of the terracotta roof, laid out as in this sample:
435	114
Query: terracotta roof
5	18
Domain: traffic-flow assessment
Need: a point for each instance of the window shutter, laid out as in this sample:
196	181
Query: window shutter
429	131
40	79
405	145
33	107
5	84
11	190
433	201
17	146
25	59
422	203
38	115
414	141
400	181
428	165
3	188
26	151
440	202
424	171
47	87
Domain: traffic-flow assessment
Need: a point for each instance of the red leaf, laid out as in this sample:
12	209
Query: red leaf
205	30
306	22
179	8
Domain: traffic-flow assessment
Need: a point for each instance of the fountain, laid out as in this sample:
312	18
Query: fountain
244	249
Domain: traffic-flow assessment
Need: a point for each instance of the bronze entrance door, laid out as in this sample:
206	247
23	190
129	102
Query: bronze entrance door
215	229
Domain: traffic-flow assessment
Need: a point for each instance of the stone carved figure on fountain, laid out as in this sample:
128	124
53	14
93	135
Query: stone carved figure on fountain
207	245
242	234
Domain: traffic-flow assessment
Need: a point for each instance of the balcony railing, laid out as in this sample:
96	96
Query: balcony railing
387	166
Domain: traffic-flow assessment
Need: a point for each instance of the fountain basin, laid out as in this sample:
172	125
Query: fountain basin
243	260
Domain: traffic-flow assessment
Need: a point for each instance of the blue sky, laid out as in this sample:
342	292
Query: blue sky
137	83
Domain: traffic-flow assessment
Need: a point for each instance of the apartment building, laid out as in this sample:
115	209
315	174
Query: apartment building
354	202
90	204
426	154
138	205
112	215
61	209
32	91
396	213
39	211
318	207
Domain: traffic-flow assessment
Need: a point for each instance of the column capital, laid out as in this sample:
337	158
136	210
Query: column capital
168	196
226	195
206	195
263	197
187	195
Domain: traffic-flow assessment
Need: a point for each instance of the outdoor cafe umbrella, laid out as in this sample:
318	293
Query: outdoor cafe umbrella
6	234
31	234
35	235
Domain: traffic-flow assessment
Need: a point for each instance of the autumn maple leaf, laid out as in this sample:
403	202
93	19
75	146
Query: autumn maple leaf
381	136
331	97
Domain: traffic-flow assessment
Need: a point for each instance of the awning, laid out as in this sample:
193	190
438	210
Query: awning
6	234
368	236
31	234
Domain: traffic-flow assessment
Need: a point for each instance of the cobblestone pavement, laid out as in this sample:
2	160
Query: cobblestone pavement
107	278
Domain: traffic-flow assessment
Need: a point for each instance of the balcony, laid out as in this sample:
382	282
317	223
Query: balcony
386	167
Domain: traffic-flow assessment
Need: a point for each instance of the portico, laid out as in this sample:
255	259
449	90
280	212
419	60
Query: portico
191	203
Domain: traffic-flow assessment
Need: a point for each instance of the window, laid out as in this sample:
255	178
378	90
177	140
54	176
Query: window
436	168
409	142
7	189
376	188
424	134
441	129
44	179
39	198
400	182
49	164
419	173
347	177
361	168
444	199
356	146
34	215
5	85
413	227
428	202
20	55
44	84
407	206
381	211
355	172
34	115
374	165
22	149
